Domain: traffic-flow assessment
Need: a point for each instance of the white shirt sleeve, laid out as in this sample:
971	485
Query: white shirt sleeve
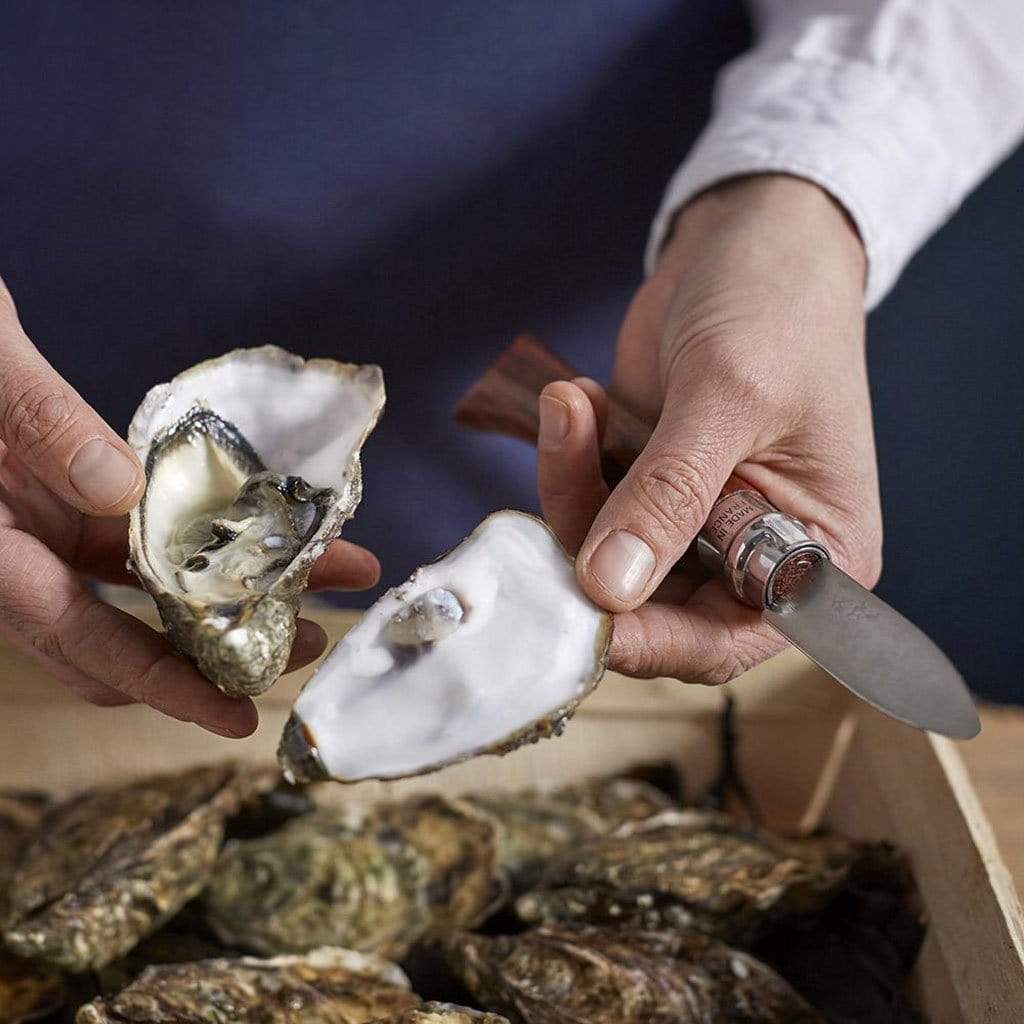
897	107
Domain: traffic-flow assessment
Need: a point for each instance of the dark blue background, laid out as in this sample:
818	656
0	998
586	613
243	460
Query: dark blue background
411	184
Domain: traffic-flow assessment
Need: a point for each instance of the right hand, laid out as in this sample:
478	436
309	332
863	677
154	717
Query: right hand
66	482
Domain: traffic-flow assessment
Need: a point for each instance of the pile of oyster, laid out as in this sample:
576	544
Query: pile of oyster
222	894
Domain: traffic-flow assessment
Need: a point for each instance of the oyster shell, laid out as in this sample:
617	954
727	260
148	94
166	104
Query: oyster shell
376	884
20	812
610	976
252	467
326	986
107	867
490	647
690	869
537	824
443	1013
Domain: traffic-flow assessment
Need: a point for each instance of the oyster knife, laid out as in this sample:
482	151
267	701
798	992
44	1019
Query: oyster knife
768	560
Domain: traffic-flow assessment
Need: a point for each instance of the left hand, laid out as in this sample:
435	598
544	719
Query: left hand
745	352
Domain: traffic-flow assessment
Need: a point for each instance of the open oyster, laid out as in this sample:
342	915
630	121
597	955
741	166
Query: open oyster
608	976
326	986
443	1013
252	467
490	647
107	867
537	824
690	869
379	884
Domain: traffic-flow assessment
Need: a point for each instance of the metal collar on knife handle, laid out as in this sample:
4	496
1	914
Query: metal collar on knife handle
761	552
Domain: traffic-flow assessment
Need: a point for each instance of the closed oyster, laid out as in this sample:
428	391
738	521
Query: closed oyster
490	647
443	1013
609	976
28	990
326	986
107	867
377	884
20	812
536	824
252	467
689	869
460	845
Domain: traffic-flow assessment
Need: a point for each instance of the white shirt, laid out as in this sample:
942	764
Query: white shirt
897	107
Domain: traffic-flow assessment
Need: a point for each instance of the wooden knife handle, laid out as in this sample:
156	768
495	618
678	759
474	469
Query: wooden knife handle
761	551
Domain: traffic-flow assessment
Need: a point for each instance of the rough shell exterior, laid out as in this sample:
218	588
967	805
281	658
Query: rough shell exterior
689	869
376	883
327	986
537	824
107	867
443	1013
613	976
244	653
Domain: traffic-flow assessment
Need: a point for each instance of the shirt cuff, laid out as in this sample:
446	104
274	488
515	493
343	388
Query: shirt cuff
845	126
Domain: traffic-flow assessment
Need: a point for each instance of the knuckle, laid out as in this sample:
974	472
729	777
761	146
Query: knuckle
35	416
674	491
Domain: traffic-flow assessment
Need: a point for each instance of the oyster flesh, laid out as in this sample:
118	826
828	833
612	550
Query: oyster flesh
443	1013
107	867
20	812
690	869
536	824
326	986
570	975
490	647
376	884
252	468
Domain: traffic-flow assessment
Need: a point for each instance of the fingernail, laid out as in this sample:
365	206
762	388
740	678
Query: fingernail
623	564
554	421
101	474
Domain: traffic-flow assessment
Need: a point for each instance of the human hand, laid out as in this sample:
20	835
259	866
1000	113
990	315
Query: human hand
66	482
745	352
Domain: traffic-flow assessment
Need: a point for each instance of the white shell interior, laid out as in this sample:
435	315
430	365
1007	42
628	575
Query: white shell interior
302	417
529	642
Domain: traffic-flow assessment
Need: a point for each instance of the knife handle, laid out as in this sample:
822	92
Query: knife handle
761	553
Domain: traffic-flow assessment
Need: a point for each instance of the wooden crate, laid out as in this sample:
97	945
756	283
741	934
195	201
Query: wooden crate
807	751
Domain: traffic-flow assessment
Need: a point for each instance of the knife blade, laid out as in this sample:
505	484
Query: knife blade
766	557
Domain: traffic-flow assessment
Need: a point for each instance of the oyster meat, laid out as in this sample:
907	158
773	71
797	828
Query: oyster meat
20	812
490	647
326	986
690	869
376	884
252	468
569	975
536	824
107	867
443	1013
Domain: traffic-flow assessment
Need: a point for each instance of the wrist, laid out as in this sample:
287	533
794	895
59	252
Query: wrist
777	212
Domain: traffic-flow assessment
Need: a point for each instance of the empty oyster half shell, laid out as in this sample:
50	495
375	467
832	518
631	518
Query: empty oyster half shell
490	647
252	467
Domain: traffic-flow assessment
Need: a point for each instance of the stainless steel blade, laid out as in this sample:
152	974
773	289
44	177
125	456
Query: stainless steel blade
875	652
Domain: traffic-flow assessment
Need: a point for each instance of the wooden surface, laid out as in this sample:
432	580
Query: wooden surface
995	762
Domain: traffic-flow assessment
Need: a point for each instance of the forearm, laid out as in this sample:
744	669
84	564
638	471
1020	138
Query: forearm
895	109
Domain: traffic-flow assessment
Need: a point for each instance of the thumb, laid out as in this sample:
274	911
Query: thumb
658	508
59	438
